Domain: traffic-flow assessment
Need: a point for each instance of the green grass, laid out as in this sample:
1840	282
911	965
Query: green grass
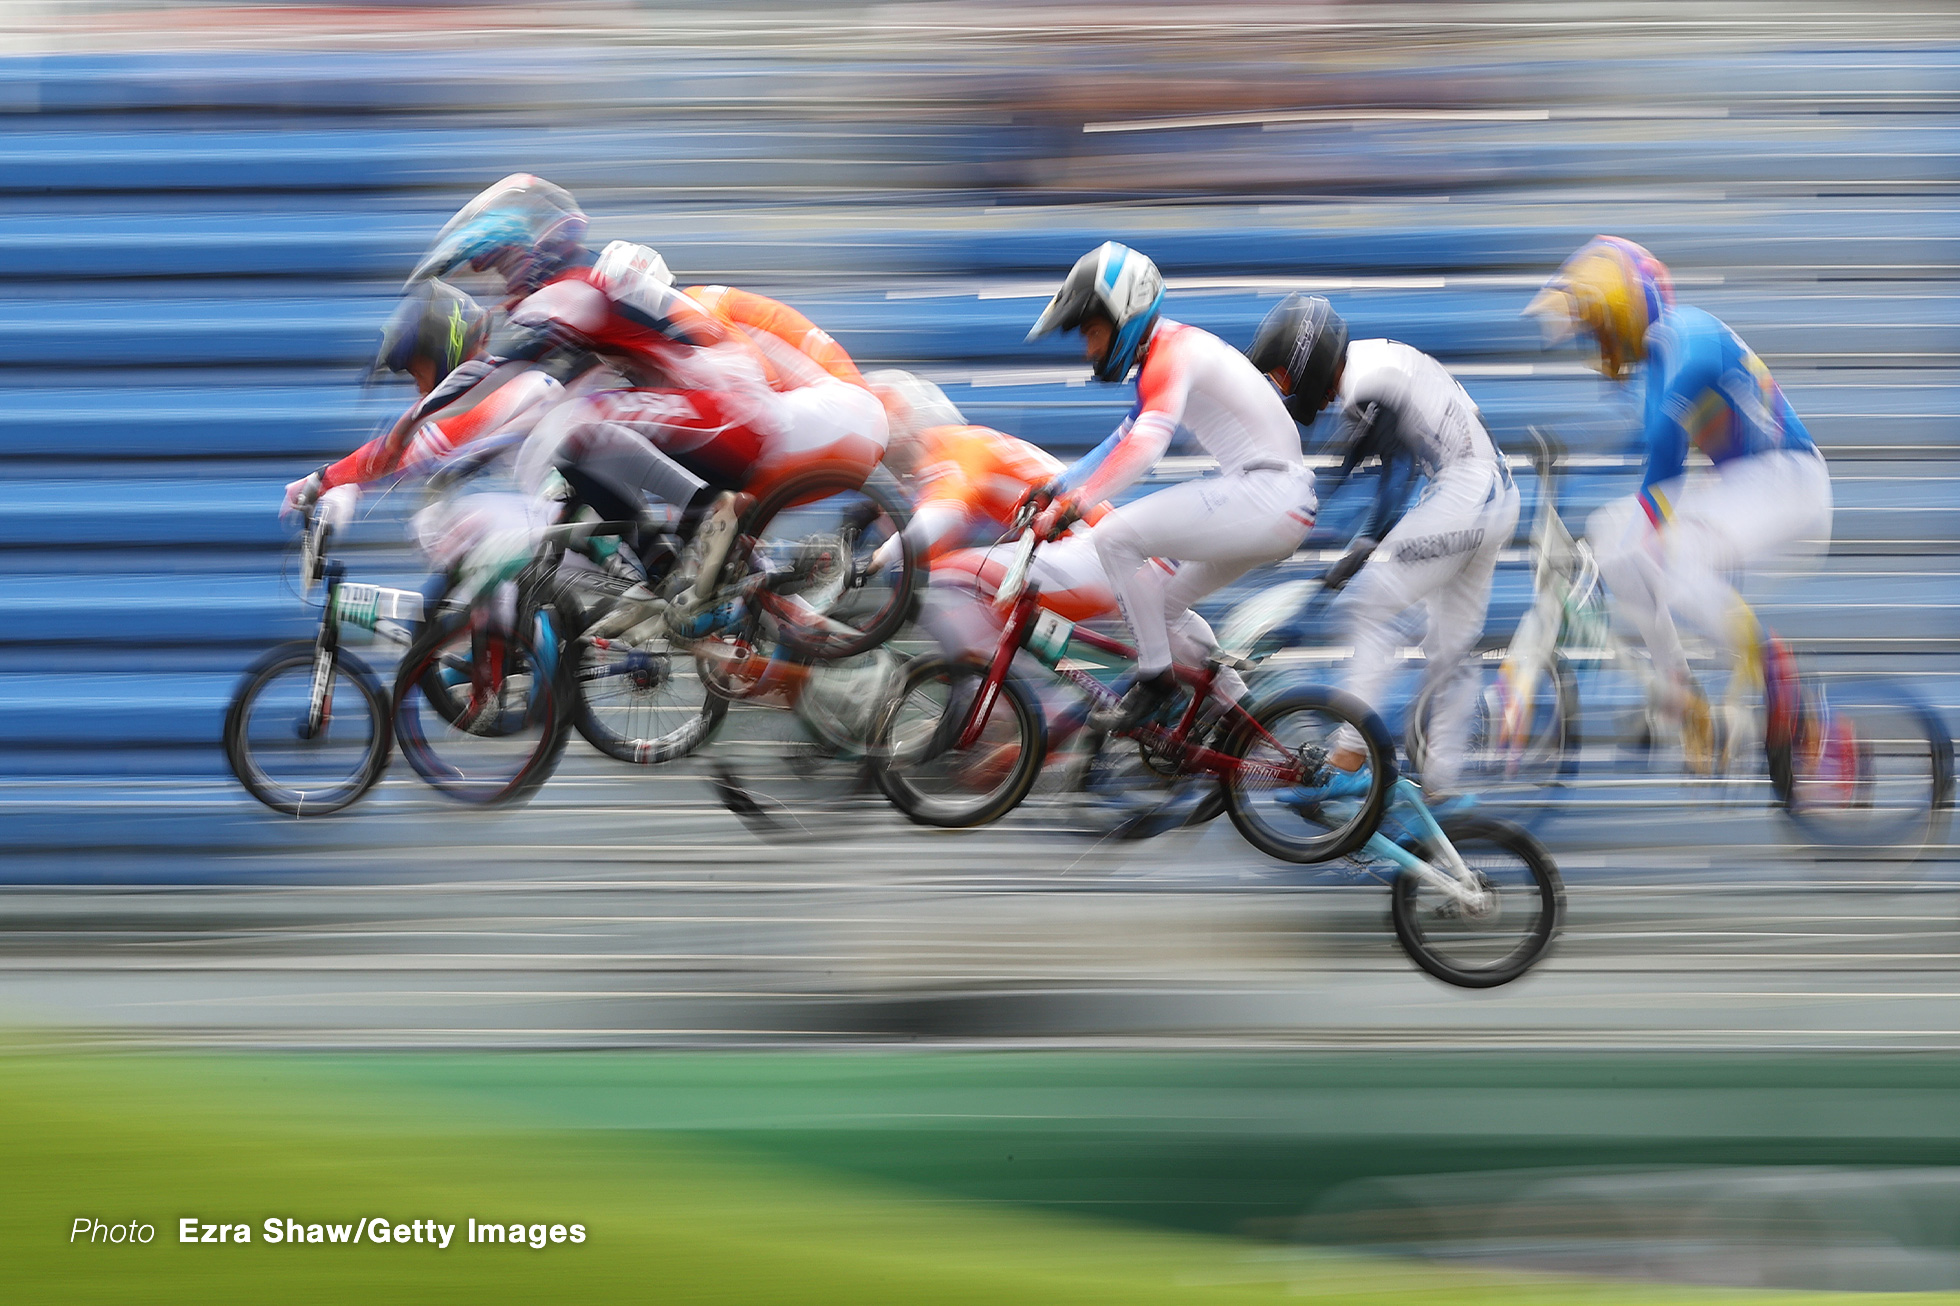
672	1215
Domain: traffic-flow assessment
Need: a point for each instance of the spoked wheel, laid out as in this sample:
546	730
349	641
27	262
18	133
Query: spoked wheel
286	761
814	537
1870	766
1499	932
492	730
918	762
643	702
794	758
1512	776
1287	798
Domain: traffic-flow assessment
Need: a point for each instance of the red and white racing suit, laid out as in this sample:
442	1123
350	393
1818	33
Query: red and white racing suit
711	413
478	399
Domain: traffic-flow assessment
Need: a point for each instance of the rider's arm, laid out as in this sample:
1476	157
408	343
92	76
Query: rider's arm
1083	468
1397	482
1668	410
1163	386
760	315
383	454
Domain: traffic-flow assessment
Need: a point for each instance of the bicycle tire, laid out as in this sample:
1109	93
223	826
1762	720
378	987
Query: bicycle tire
834	637
1516	785
1887	783
634	667
366	766
548	718
1318	832
1482	839
906	748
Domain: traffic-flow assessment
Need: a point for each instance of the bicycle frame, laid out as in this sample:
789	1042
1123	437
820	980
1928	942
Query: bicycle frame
1453	877
1569	611
344	601
1024	613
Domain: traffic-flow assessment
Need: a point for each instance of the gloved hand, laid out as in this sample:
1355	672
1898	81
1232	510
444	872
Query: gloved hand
336	506
300	496
1058	516
1350	562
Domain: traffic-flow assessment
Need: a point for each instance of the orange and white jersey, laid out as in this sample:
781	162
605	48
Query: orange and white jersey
971	477
767	321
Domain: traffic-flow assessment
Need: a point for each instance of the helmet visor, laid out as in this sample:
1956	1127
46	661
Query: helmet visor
1557	312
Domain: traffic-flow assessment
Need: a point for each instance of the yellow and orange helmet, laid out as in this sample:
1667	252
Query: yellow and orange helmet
1611	290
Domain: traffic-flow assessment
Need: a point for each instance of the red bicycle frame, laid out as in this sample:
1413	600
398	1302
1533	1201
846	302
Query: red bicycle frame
1174	742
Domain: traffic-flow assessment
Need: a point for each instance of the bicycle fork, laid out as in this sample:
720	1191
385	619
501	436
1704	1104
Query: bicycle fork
1445	872
326	657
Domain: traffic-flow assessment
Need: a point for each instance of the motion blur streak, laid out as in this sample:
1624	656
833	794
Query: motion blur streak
206	212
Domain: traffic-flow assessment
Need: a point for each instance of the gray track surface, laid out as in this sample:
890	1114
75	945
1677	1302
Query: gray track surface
628	909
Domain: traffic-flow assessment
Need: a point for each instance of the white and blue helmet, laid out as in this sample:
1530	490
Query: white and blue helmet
1118	283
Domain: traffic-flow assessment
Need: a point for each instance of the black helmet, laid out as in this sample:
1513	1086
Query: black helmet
1301	345
435	322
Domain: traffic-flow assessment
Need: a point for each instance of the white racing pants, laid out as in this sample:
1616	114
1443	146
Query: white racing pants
1215	530
1443	553
1070	577
1749	512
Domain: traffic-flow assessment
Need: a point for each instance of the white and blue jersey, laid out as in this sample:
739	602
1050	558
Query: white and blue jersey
1707	390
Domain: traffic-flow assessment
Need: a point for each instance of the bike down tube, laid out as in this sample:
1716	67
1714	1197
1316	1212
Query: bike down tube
1010	643
1456	881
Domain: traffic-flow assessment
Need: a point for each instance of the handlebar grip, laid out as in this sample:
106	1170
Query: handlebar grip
1016	578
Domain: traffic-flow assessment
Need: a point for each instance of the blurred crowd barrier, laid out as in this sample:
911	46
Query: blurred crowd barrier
205	211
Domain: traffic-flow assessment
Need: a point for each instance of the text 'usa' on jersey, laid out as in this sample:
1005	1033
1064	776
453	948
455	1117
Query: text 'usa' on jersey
1708	390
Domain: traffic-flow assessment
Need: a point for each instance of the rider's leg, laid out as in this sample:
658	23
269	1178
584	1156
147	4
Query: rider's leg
588	435
1457	610
1466	515
1191	637
1754	511
829	425
1633	563
1192	641
1632	556
1240	521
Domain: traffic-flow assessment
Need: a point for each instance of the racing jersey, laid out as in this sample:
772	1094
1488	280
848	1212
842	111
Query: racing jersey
1398	404
620	306
767	320
704	385
1192	379
479	398
1708	390
970	474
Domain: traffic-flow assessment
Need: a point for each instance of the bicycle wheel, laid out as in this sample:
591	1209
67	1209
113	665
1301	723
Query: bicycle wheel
1512	777
644	703
1285	796
284	765
1871	766
507	738
814	537
795	762
919	765
1497	939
